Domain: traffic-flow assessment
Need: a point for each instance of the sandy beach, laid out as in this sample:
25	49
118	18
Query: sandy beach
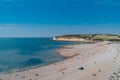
98	61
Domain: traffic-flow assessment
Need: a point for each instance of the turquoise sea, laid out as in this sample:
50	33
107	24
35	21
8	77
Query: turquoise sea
20	53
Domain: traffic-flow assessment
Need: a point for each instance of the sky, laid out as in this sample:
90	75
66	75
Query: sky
47	18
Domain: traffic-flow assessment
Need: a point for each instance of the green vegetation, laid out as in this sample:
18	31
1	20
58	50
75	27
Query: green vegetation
107	37
85	36
94	37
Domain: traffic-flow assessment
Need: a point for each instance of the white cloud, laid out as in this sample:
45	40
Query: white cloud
6	28
108	2
11	0
9	27
10	3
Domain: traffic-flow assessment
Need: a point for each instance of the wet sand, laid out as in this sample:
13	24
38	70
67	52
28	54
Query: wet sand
99	61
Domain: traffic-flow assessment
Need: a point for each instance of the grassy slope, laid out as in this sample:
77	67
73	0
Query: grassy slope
101	37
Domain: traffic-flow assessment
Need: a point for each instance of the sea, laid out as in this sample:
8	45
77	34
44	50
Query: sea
26	53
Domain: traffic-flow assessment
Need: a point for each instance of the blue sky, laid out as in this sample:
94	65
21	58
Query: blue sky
44	18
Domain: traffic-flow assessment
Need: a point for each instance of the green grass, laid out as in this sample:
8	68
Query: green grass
106	37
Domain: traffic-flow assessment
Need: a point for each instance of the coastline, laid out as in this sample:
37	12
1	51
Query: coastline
89	56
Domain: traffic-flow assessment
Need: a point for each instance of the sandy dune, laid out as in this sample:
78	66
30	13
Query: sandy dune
99	61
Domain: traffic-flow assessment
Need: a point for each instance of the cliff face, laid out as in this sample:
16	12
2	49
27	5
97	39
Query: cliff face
70	39
88	37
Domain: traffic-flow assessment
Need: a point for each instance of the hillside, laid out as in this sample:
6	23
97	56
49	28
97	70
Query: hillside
89	37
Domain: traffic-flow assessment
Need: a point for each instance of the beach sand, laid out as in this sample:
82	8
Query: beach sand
98	61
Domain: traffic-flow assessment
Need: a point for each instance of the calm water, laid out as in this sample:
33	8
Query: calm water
18	53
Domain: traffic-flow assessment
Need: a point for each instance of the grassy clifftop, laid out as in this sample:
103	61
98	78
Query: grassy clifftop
90	37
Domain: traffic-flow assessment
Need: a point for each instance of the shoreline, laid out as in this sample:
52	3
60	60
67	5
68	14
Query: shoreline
87	56
31	67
